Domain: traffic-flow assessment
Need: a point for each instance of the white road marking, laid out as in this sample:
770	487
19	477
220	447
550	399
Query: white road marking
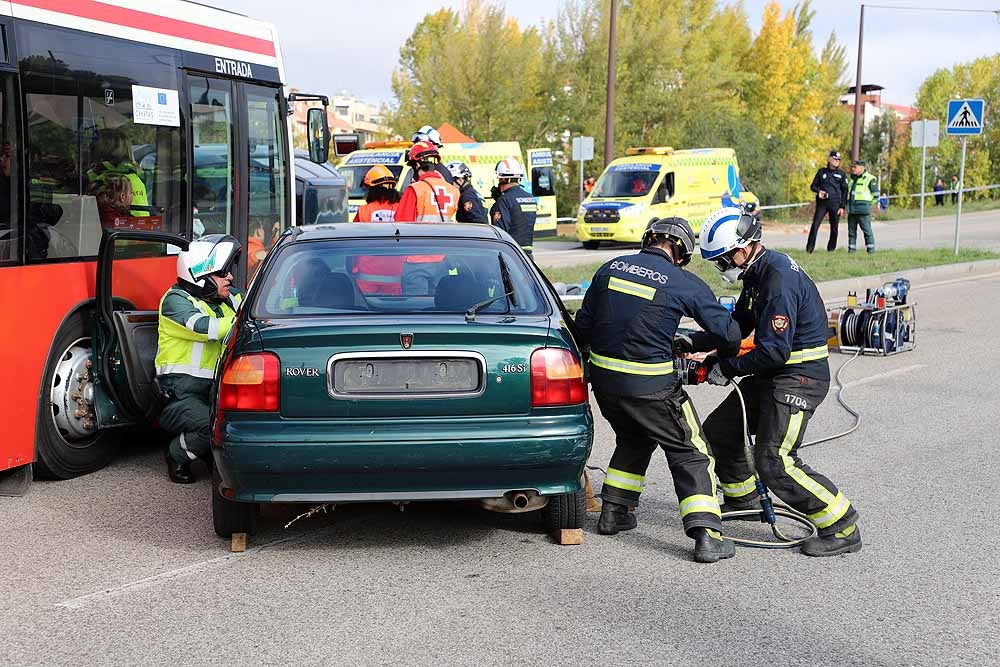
887	374
186	571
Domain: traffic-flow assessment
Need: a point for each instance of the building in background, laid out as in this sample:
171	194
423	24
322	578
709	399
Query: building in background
873	107
346	114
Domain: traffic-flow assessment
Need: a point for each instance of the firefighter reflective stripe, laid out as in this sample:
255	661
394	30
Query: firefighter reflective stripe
634	289
793	471
625	480
699	503
631	367
809	354
832	513
739	489
699	442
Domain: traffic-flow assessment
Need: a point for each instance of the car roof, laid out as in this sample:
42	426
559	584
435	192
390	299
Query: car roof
384	229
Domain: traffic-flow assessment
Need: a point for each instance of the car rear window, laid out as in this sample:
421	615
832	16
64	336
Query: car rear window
399	277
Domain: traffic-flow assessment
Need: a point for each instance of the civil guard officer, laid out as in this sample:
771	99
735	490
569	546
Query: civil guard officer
470	205
787	377
628	318
514	209
196	314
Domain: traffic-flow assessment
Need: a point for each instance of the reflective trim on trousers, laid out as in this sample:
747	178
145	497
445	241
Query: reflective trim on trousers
700	503
809	354
631	367
803	480
187	451
699	442
832	513
739	489
625	480
631	288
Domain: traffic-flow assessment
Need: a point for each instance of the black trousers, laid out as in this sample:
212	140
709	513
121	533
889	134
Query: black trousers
824	208
188	419
666	419
778	411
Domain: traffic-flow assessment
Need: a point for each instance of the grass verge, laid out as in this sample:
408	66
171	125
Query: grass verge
822	266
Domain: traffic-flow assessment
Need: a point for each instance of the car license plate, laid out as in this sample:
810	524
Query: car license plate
406	377
595	228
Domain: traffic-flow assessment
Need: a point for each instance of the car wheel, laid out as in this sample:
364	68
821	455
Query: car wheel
565	511
229	516
591	245
68	441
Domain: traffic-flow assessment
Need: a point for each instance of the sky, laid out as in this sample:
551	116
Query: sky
333	46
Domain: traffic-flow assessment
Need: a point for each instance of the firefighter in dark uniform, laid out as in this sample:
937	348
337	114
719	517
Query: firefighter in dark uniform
514	209
830	186
628	318
786	377
470	205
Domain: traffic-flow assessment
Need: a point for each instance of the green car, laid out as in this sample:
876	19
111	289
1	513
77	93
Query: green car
400	362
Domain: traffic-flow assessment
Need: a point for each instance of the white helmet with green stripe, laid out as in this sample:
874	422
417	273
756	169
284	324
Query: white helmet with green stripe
214	253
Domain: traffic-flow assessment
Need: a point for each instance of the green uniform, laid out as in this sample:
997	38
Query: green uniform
191	335
98	174
862	191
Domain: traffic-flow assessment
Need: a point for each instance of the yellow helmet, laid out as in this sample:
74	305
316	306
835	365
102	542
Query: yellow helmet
379	175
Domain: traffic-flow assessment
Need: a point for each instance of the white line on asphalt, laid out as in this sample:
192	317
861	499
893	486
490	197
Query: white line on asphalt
960	279
887	374
187	570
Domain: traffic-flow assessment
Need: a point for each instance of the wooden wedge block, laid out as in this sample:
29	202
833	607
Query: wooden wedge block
593	502
568	536
239	543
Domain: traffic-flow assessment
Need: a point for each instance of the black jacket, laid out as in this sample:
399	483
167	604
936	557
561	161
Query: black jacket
445	174
834	183
514	212
782	306
629	317
470	206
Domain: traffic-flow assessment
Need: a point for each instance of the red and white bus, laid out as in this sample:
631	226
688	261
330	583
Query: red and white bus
161	115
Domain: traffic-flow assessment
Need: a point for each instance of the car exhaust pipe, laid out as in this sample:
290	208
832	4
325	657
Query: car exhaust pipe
515	502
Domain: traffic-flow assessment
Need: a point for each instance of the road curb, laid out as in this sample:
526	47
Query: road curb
836	290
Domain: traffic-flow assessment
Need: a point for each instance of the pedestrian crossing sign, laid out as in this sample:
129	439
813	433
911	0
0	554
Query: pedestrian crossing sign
965	117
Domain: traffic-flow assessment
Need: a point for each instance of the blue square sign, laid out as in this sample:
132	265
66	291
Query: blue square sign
161	98
965	117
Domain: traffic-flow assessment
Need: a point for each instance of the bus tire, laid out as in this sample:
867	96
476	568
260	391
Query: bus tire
67	442
591	245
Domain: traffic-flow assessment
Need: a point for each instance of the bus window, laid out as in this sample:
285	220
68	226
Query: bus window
268	169
84	146
9	228
212	138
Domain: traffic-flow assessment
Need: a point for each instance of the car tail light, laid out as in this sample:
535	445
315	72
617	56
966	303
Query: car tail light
250	382
556	378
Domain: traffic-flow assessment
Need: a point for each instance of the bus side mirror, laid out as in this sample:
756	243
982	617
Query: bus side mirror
319	135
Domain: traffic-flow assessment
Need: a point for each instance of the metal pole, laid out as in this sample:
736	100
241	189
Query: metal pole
961	186
856	136
581	181
923	179
609	118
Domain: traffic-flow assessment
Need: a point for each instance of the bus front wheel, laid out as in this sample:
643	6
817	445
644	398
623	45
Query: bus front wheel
68	441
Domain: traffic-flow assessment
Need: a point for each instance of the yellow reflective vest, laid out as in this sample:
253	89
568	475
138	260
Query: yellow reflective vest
191	333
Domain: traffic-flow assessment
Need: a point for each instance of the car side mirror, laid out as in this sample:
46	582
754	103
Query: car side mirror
319	135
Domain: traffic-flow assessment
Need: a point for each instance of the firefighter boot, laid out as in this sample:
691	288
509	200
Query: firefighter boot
615	518
710	546
180	473
845	542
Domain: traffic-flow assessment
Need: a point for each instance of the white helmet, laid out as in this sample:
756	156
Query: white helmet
510	168
459	169
428	133
214	253
726	230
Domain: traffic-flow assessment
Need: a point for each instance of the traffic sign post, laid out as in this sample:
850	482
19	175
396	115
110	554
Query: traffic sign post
583	150
924	134
965	119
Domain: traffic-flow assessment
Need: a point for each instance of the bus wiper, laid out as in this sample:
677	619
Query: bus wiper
470	315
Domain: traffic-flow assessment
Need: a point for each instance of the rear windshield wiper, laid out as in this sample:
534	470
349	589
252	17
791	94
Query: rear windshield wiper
508	286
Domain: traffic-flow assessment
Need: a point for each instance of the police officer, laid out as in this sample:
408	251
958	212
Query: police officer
195	315
863	190
830	186
513	209
628	318
787	376
432	136
470	205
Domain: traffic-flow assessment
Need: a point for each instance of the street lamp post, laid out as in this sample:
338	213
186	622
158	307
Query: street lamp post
609	116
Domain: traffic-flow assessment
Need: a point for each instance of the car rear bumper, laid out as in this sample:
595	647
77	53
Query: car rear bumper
274	460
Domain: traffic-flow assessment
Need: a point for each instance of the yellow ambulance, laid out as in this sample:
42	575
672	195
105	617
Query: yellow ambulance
657	182
481	157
